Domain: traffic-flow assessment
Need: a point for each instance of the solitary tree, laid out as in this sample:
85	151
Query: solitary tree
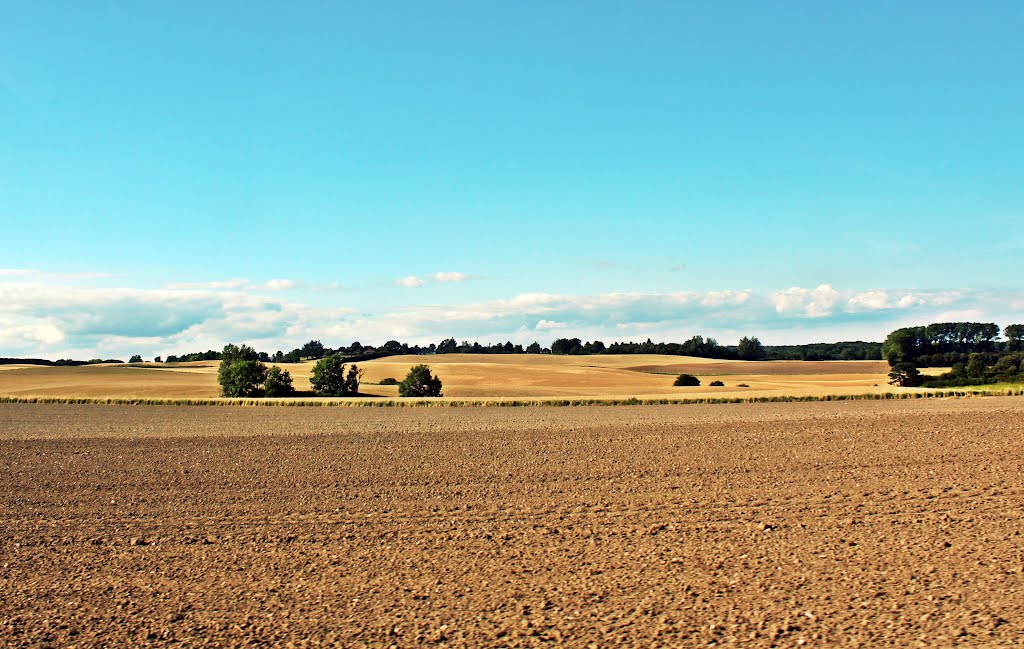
419	383
135	359
330	379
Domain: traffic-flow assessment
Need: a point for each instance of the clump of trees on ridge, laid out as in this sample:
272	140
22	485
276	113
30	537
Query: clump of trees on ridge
972	350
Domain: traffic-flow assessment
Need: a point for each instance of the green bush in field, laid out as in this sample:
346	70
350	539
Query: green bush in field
420	383
686	380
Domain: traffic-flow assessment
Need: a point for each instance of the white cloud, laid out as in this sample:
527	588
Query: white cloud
446	277
41	315
868	301
720	298
450	277
279	285
236	283
812	303
410	282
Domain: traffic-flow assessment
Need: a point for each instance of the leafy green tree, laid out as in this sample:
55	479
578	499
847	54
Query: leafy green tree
976	368
158	360
277	383
240	374
902	345
533	348
313	349
905	375
329	378
750	349
563	346
1014	337
686	380
392	347
420	383
448	346
234	353
242	378
135	359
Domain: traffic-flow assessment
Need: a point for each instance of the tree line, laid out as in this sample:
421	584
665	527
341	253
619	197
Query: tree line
748	348
972	351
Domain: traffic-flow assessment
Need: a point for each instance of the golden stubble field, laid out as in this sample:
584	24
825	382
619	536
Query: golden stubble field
891	523
482	376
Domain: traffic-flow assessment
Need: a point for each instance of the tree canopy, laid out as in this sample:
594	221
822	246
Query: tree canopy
419	382
330	379
242	374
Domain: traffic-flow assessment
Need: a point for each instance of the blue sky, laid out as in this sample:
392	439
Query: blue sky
178	175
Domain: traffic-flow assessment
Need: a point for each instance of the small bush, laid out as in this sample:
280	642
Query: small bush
388	381
687	380
717	384
742	385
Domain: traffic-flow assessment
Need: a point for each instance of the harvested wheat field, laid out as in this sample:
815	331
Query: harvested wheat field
483	376
843	523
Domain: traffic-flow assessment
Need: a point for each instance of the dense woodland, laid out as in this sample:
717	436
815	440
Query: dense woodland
748	348
972	350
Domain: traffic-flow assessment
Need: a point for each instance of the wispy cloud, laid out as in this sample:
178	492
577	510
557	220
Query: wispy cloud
47	315
445	277
38	275
448	277
410	282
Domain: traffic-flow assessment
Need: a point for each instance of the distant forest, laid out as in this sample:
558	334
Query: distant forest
749	348
972	350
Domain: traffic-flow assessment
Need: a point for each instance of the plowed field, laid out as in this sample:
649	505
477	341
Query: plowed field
888	523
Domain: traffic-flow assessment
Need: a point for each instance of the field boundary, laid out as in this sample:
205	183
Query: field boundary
511	403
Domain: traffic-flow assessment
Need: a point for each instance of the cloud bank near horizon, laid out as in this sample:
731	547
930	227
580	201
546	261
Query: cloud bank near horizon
67	315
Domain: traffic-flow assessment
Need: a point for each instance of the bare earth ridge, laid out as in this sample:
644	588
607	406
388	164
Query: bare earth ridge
888	523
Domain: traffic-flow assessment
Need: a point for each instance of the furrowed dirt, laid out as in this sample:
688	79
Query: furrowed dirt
889	522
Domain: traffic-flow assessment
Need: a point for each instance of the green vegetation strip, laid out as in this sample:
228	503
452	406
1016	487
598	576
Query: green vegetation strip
513	403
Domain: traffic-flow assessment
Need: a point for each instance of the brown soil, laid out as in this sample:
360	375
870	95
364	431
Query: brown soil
889	523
